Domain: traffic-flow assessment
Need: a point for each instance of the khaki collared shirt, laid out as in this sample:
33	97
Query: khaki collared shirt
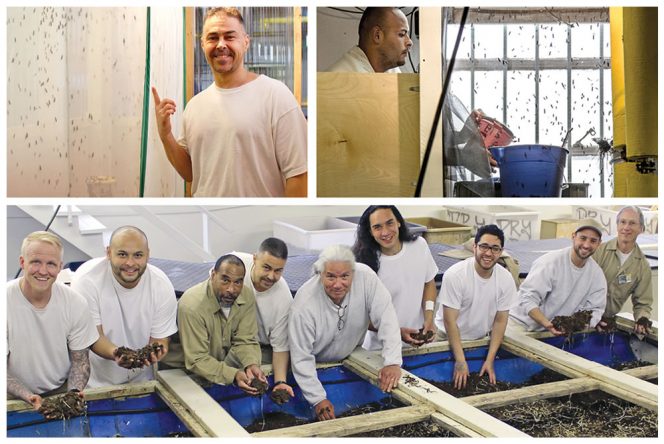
215	347
632	278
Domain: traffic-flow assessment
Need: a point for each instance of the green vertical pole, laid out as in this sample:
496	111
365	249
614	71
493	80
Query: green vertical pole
146	109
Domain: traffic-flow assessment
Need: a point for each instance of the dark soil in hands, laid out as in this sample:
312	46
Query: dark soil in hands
421	336
611	325
137	358
259	385
645	322
570	324
280	396
64	406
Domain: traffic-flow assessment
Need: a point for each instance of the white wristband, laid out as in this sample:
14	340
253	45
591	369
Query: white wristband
428	305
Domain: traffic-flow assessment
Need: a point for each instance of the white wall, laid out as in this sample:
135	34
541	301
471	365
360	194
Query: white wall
337	33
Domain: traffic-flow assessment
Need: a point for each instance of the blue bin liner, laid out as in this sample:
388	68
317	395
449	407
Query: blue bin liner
530	170
439	367
128	417
344	389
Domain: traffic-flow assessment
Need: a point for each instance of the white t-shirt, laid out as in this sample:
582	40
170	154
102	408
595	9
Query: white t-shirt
355	60
558	288
244	141
129	317
404	275
39	339
476	298
273	306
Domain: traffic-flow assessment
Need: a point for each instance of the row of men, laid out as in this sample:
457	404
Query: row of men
380	295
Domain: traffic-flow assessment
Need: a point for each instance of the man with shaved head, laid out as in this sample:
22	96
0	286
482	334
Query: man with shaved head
132	303
383	43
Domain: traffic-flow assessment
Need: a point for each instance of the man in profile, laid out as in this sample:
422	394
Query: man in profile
243	136
383	45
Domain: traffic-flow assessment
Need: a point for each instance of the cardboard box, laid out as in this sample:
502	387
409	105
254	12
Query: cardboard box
440	231
517	223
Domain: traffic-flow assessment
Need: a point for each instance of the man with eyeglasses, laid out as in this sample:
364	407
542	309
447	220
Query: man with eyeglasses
626	270
563	282
329	318
217	325
475	298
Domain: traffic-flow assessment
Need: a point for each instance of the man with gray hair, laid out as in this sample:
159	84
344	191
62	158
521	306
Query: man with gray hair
626	270
131	302
329	318
49	328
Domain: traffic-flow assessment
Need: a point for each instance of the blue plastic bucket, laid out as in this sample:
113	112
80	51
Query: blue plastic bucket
530	170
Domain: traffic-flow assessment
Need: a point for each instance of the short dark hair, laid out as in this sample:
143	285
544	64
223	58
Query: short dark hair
228	11
366	248
371	17
229	259
274	247
490	229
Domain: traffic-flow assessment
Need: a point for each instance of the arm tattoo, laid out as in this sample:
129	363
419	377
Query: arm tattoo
17	388
79	373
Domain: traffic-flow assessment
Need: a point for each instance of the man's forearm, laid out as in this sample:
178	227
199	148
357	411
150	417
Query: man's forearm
79	372
103	347
177	156
280	365
429	295
296	186
497	334
17	389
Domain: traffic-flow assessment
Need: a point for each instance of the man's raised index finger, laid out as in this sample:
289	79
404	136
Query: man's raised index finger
157	100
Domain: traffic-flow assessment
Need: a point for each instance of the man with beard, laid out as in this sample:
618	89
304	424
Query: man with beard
563	282
330	317
243	136
49	328
263	276
476	297
383	43
626	269
217	322
132	303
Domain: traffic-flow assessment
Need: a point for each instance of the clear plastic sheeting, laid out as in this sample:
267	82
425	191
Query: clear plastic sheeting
166	74
464	152
74	99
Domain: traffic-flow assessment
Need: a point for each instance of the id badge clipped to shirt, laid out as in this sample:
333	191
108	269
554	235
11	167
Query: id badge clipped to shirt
624	278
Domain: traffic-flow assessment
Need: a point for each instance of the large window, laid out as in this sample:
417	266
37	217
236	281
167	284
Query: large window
543	72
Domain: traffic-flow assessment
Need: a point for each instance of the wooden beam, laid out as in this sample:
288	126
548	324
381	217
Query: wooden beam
552	355
442	346
195	427
215	420
454	426
532	393
354	424
116	391
423	392
646	372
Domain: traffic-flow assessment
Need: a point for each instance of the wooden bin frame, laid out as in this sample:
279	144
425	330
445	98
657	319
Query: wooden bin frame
203	416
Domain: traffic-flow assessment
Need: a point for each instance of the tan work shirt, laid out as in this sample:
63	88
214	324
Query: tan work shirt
215	347
632	278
